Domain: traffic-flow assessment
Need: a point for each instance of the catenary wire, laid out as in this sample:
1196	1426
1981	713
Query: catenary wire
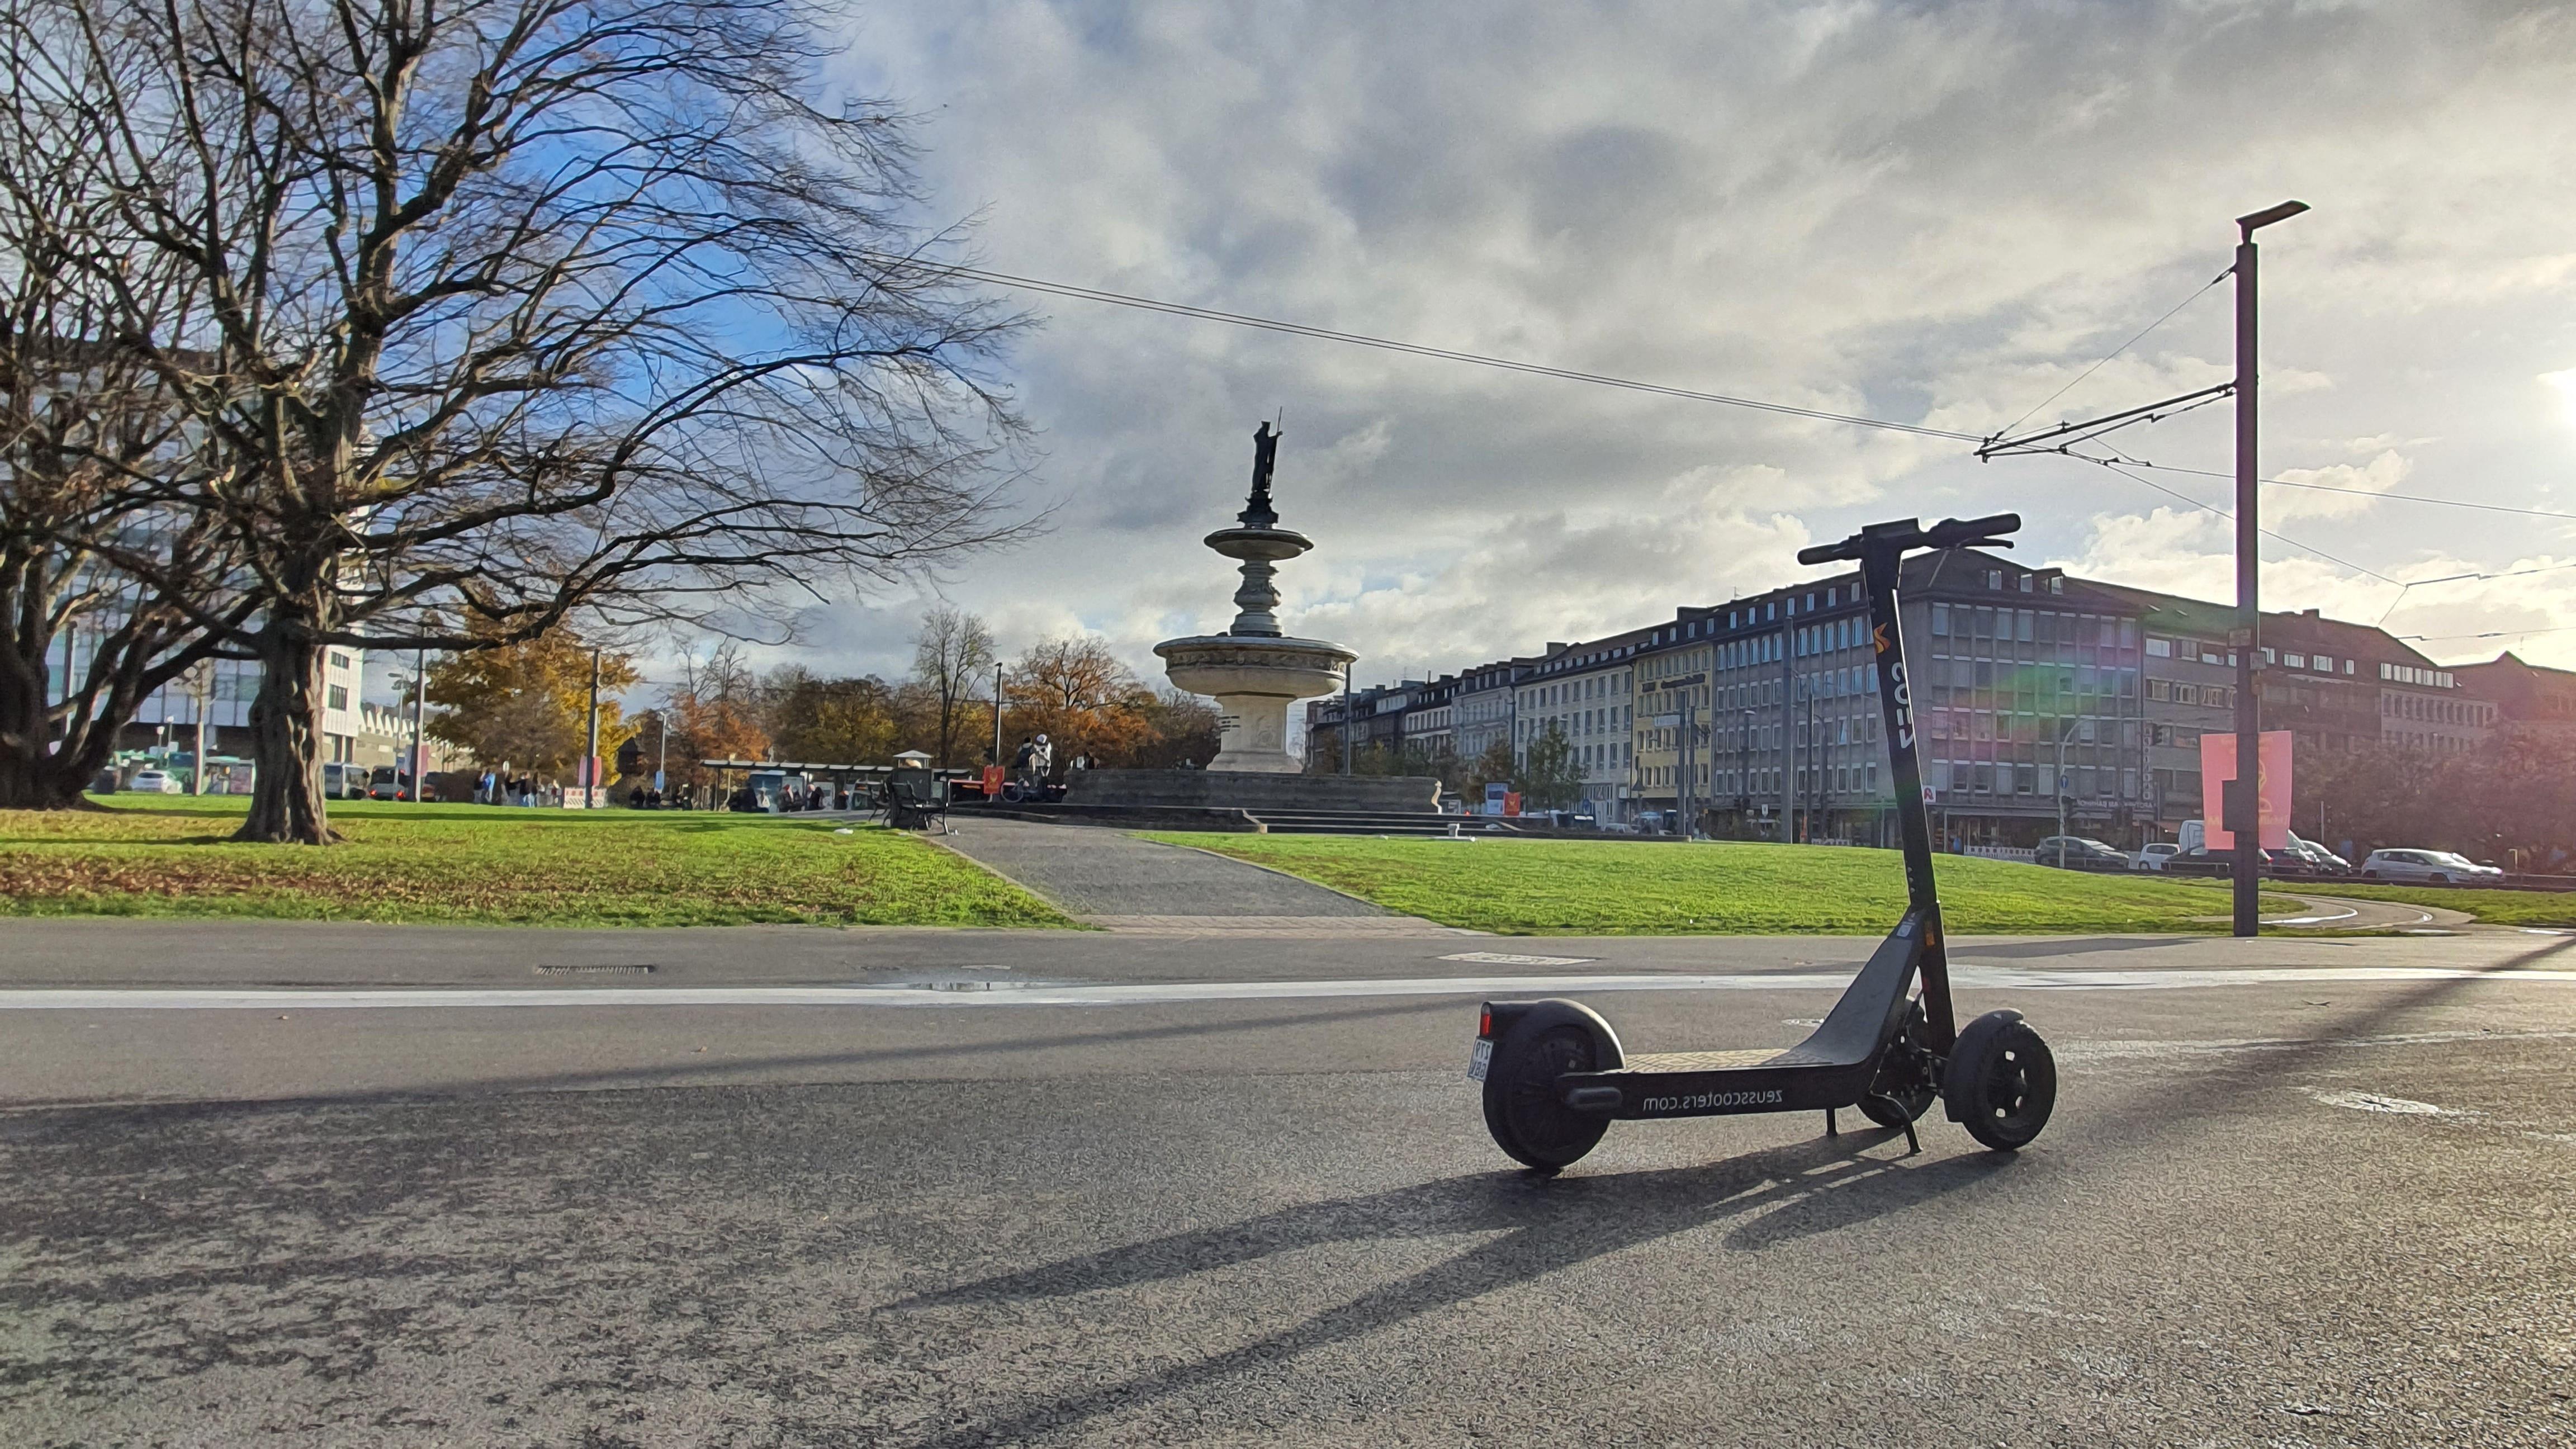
1388	344
2231	517
1299	329
2490	634
1326	334
2116	351
2362	492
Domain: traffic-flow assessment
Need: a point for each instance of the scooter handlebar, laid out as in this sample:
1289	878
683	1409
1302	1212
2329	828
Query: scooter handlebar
1960	533
1948	533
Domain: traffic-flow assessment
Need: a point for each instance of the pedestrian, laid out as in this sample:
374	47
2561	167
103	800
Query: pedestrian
1045	758
1024	762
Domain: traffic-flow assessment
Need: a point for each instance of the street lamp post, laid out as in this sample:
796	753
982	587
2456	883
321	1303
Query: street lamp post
1744	776
2244	797
1346	717
2061	788
590	760
419	716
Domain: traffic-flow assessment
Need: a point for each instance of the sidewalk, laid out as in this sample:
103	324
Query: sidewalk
1113	880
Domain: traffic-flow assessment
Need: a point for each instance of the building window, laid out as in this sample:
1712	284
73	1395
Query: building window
338	697
2159	648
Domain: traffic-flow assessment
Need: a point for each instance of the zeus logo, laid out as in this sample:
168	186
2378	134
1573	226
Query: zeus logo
1904	705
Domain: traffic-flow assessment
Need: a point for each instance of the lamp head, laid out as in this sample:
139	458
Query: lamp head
2249	224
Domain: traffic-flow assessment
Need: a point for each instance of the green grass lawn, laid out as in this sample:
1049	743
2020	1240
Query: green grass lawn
494	865
2501	908
1606	888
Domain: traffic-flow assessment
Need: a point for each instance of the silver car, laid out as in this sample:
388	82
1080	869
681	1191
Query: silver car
2433	867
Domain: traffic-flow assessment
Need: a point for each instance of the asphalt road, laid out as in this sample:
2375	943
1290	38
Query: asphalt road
1032	1188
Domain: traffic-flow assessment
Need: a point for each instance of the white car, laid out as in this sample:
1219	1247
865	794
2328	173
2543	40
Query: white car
154	782
2154	854
2433	867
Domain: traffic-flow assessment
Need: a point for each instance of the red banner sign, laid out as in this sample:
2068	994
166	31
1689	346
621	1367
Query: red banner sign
2218	766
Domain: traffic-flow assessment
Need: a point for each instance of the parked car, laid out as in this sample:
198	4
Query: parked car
2205	861
2076	852
2154	854
154	782
2432	867
389	782
2321	861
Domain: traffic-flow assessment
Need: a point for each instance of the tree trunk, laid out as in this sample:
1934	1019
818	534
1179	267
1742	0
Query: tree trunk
37	771
287	805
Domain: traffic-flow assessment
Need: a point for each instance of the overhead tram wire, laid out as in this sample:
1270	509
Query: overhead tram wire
1357	339
2363	492
1415	349
2115	352
2231	517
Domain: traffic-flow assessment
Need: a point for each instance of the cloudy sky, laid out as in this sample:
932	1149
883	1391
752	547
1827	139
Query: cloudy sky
1919	211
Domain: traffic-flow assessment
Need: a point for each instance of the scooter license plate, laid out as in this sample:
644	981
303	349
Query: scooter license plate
1480	1060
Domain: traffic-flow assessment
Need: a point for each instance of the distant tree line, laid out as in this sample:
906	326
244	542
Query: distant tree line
2510	799
525	705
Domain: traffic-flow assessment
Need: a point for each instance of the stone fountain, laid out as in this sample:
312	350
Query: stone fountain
1253	670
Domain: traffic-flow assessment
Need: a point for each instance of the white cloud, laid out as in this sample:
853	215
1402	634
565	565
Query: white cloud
1927	213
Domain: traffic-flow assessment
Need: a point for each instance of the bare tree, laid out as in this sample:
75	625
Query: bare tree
950	657
523	309
82	644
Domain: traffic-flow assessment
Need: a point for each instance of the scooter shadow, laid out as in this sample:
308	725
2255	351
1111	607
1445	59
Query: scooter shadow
1540	1226
1778	1194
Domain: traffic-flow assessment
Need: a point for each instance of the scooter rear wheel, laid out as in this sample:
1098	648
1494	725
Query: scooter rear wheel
1523	1109
2002	1081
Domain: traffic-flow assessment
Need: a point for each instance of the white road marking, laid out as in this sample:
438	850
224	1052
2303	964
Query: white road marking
1506	958
1987	978
2346	914
2374	1102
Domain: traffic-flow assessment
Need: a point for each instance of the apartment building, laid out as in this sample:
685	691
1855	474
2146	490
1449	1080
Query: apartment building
1675	684
1431	719
1485	705
2521	697
1587	691
222	695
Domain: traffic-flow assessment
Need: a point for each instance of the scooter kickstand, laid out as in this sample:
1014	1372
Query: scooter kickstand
1913	1144
1830	1129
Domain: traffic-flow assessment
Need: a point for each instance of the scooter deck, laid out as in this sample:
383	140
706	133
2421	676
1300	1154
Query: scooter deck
1833	1067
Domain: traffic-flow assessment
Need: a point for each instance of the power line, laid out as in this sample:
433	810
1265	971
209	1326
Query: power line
1535	369
2231	517
2116	351
2362	492
1388	344
2490	634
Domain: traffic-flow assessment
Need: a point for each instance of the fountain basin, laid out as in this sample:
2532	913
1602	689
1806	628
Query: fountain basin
1254	679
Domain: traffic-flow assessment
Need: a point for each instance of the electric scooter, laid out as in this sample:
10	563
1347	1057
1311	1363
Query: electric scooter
1555	1077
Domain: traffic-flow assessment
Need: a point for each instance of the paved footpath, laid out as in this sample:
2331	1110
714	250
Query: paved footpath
1114	880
